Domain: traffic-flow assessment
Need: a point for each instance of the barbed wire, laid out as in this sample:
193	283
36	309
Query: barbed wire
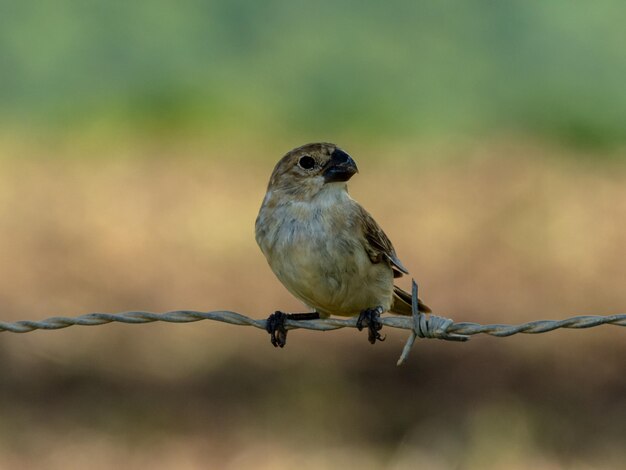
327	324
421	325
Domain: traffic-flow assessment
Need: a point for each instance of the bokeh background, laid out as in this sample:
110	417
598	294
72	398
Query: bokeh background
136	139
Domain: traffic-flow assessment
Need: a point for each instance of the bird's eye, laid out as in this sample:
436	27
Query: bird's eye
306	162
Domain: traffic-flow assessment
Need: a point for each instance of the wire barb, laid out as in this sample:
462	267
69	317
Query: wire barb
431	326
420	325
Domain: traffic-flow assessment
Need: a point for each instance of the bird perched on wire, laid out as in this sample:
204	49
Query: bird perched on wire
324	247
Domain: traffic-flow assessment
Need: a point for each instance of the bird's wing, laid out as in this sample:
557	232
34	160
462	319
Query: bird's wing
378	246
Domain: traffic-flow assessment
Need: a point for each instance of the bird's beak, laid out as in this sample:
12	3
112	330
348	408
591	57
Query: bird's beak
340	167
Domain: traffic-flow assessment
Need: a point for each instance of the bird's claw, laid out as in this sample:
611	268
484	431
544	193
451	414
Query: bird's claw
275	326
371	318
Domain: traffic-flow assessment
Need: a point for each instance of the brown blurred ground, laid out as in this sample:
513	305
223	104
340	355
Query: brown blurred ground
501	233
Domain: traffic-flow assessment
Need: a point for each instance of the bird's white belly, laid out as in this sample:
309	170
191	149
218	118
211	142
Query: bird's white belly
330	273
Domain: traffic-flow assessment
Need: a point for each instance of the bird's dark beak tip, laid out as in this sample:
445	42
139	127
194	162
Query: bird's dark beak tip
341	167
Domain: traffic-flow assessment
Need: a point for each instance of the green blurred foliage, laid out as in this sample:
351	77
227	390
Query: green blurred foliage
405	69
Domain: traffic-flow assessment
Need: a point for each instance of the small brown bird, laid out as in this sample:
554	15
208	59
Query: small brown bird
324	247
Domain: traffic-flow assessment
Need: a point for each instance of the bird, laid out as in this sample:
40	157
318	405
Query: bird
324	247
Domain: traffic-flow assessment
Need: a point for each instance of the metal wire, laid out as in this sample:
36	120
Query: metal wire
233	318
421	325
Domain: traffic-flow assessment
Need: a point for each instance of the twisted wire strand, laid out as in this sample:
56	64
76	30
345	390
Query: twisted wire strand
421	325
327	324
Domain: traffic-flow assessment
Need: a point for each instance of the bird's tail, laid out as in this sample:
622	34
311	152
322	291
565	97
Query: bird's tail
402	303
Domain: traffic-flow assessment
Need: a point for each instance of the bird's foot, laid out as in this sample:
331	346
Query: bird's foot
275	325
371	318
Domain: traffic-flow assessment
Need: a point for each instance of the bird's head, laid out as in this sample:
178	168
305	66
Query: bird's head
305	171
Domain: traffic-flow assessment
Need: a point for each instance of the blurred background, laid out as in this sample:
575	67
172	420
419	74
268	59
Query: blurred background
136	140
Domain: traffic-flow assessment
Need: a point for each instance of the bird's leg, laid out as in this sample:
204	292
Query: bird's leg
275	325
371	318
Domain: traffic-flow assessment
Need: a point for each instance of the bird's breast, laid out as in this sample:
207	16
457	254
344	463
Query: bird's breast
318	255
